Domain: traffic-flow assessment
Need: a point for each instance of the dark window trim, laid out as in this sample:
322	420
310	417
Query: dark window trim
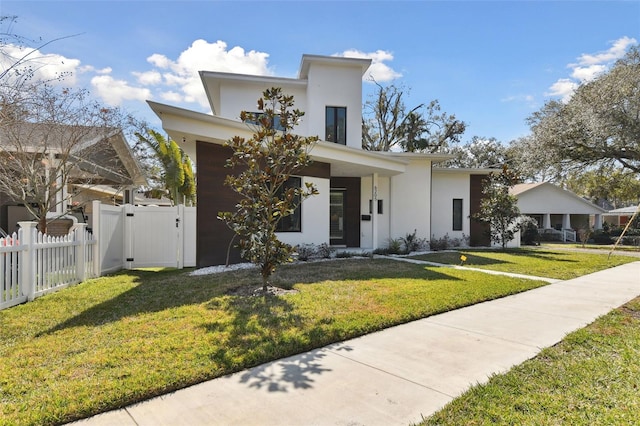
457	214
335	110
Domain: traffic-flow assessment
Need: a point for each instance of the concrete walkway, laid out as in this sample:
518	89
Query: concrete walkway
398	375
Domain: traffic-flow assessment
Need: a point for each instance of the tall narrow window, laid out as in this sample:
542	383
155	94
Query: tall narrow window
336	125
291	223
457	214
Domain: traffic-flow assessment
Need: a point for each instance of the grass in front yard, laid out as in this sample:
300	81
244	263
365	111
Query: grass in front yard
562	265
119	339
592	377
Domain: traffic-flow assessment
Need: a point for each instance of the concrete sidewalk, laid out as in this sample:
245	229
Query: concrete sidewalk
397	375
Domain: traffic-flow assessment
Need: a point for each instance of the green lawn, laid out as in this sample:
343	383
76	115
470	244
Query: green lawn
120	339
557	264
590	378
116	340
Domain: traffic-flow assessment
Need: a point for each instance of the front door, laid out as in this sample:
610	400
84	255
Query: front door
336	217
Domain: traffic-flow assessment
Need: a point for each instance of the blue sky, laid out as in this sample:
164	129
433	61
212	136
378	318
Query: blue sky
491	64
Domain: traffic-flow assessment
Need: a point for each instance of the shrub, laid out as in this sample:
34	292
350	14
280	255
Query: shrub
305	252
394	246
442	243
413	243
601	237
343	255
529	231
324	251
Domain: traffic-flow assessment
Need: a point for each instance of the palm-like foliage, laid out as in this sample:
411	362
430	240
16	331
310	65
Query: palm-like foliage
177	173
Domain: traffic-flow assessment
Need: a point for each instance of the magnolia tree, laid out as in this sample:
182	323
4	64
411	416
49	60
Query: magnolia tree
264	165
498	208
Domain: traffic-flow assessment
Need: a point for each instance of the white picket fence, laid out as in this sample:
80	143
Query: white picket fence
123	237
33	264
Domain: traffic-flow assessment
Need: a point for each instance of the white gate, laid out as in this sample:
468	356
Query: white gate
147	236
157	236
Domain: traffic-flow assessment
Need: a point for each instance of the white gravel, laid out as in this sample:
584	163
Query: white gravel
222	268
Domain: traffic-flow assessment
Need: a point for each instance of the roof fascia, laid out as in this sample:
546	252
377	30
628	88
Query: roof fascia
469	170
211	82
305	63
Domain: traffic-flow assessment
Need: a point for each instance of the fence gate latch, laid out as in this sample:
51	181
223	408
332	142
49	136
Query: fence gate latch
177	222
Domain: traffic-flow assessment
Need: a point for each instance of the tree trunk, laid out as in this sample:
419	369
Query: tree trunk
42	224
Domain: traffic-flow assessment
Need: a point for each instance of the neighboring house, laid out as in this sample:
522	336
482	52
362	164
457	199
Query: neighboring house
555	208
365	198
99	161
620	217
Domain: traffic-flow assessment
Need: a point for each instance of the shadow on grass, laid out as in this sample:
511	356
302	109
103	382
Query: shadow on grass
151	291
483	257
453	258
359	269
156	291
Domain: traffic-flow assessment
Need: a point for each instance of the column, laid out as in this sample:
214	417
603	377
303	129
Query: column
566	221
598	222
546	221
374	211
26	236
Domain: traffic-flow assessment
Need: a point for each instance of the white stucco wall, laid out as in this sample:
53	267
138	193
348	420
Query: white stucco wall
410	200
446	186
315	217
237	96
338	86
381	221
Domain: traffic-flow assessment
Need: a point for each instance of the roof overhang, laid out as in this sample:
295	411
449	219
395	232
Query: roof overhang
186	127
211	81
465	170
307	60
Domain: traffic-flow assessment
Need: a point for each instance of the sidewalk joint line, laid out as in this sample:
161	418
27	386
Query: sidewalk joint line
391	374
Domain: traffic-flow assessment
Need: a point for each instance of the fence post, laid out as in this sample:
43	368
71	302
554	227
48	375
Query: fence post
96	218
180	242
79	236
27	238
128	237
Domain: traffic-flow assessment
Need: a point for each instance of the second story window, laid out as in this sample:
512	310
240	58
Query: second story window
255	117
336	125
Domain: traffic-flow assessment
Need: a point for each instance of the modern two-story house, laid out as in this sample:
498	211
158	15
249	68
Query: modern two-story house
365	198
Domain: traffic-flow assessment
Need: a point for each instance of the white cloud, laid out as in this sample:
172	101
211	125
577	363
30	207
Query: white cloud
563	88
530	100
589	67
114	92
45	67
172	96
615	52
378	71
182	74
148	78
586	74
